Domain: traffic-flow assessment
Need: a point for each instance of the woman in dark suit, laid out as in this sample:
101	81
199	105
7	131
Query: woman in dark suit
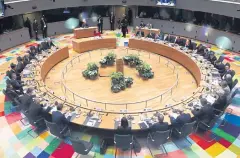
124	128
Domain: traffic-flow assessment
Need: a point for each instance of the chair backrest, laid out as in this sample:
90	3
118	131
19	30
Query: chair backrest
161	137
123	141
234	83
80	146
187	129
194	45
54	129
220	59
232	73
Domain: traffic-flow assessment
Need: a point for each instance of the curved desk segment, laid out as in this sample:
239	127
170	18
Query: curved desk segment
84	46
170	53
84	32
52	60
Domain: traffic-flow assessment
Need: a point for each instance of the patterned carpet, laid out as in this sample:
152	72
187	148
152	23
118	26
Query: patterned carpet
16	143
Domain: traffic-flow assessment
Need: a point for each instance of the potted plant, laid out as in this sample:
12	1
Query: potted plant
108	60
119	82
145	71
91	72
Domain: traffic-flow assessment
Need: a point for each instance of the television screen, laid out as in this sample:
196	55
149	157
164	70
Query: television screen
2	9
166	2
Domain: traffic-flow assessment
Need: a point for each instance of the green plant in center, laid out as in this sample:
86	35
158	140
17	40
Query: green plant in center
119	82
132	60
108	60
145	71
91	72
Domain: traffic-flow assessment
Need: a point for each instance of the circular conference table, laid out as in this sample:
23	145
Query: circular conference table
201	70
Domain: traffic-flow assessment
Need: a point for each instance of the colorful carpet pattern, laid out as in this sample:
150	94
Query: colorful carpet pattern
15	142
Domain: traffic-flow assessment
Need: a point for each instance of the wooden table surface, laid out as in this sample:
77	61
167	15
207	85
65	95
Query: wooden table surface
107	120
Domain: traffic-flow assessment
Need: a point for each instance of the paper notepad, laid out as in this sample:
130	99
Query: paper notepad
91	123
210	99
54	109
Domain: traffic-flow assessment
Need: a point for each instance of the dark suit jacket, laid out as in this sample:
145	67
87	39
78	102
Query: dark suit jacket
16	84
220	103
150	35
26	100
35	26
20	67
112	19
123	131
181	120
142	25
49	45
59	119
140	33
204	114
35	111
101	21
26	61
159	127
42	24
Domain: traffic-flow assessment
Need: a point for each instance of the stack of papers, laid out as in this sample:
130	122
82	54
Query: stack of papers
91	123
210	99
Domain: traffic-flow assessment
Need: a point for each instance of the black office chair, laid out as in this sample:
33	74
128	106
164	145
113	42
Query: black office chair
220	59
123	142
183	41
172	39
194	45
37	125
232	73
56	131
81	147
15	101
158	138
186	129
207	127
235	82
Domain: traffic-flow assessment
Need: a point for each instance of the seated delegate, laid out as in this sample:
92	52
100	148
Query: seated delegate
59	118
178	118
124	128
16	84
142	25
27	99
139	32
151	35
160	125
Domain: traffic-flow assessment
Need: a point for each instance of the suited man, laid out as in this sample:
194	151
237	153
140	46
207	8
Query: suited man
221	102
112	21
178	41
44	27
151	35
36	111
84	24
13	70
139	32
35	28
100	24
200	50
221	68
167	38
27	99
27	24
205	114
124	24
11	92
160	125
180	120
26	60
227	71
16	84
20	66
142	25
50	44
59	118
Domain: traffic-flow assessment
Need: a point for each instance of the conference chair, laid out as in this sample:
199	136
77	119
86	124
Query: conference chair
220	59
123	142
37	124
186	130
81	147
158	139
235	82
207	128
56	131
232	73
15	102
194	45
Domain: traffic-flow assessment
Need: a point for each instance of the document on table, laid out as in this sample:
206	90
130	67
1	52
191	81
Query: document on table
210	99
54	109
91	123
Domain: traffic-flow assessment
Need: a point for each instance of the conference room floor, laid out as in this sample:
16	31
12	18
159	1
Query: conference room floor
16	143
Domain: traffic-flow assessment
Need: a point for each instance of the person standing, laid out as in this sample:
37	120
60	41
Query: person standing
44	27
28	25
35	28
100	24
129	16
112	21
124	24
